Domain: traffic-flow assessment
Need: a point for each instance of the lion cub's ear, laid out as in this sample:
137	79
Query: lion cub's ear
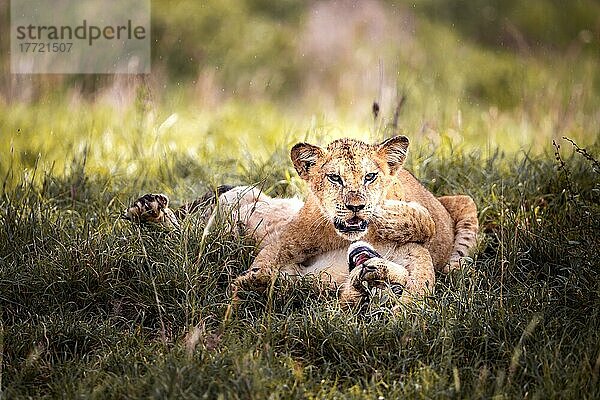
394	152
304	156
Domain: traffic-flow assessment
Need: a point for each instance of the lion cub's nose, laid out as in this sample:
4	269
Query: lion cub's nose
355	208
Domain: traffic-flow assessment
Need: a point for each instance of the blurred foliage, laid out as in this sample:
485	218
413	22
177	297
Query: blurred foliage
245	42
522	25
252	75
259	48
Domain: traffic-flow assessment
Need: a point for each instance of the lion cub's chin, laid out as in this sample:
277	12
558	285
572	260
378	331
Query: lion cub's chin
352	236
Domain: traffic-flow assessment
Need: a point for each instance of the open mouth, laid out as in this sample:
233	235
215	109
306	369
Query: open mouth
354	224
359	255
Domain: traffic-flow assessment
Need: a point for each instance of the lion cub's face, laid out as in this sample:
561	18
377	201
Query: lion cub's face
349	179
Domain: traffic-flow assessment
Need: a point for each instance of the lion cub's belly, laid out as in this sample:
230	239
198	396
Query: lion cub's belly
333	265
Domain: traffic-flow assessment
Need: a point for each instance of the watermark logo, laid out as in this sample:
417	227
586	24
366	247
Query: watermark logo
80	36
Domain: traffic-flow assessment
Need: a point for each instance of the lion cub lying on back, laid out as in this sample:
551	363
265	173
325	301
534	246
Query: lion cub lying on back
358	191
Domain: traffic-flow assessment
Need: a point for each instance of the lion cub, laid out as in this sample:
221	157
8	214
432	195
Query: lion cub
365	220
360	191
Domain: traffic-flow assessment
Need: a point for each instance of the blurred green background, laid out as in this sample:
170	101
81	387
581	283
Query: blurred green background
229	77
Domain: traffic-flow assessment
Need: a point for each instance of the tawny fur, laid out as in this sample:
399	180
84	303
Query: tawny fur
413	231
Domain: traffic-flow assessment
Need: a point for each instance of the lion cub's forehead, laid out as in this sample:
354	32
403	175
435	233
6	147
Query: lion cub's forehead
352	145
353	155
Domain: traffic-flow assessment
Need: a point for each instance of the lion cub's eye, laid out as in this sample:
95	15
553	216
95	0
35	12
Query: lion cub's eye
370	177
335	178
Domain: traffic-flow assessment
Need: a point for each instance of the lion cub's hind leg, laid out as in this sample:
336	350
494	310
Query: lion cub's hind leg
463	211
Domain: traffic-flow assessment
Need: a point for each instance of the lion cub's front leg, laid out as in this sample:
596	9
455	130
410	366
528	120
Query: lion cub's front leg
301	239
262	270
403	222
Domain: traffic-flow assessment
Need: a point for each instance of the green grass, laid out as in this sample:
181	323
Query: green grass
94	306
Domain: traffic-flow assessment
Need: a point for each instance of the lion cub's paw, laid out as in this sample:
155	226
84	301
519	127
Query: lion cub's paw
254	278
370	273
364	265
403	222
367	266
152	208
